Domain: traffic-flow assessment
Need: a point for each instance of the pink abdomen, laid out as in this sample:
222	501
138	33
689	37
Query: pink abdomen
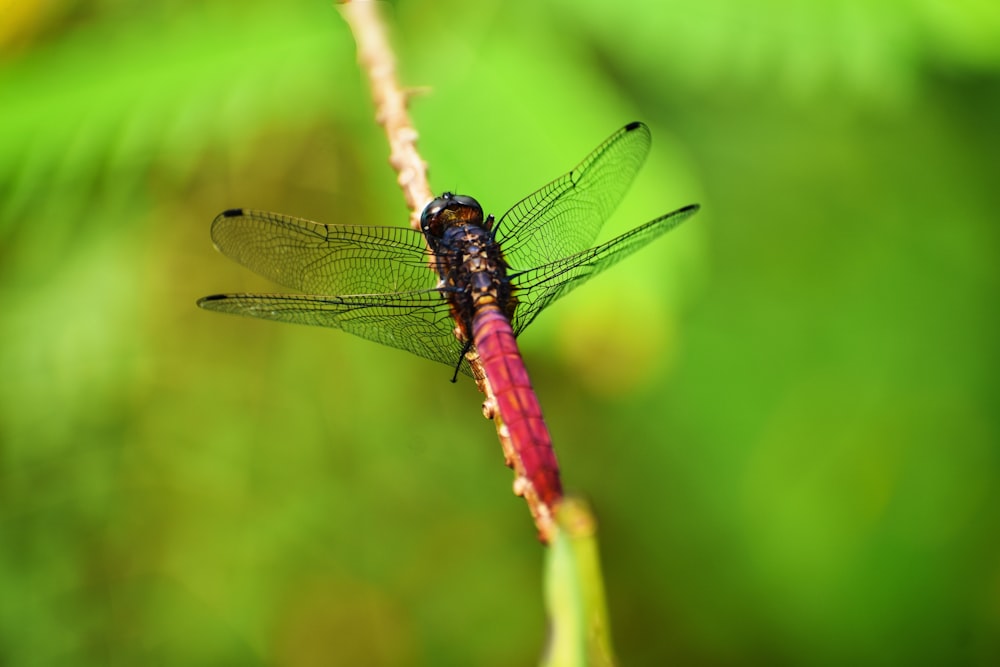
516	401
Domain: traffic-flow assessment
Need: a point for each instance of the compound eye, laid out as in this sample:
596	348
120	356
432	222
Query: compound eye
465	201
430	219
447	210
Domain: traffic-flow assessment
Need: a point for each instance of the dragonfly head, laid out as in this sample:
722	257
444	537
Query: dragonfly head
447	211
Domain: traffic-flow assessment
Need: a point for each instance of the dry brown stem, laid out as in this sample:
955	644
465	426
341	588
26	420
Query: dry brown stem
376	59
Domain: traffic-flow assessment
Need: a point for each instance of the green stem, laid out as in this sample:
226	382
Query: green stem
574	592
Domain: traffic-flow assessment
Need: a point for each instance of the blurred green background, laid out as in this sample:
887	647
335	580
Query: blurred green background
785	413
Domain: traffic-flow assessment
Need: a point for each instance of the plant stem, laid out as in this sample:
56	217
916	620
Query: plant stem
376	59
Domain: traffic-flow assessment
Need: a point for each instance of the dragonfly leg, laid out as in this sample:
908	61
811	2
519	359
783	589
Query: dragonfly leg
461	358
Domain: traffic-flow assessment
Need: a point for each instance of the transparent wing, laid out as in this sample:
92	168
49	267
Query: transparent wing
536	288
324	259
418	322
564	217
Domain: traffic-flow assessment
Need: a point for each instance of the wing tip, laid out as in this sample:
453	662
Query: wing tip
634	125
231	213
210	298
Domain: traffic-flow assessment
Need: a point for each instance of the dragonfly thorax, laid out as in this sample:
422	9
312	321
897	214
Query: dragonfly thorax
473	271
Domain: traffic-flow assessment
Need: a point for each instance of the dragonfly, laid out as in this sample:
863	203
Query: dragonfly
491	277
